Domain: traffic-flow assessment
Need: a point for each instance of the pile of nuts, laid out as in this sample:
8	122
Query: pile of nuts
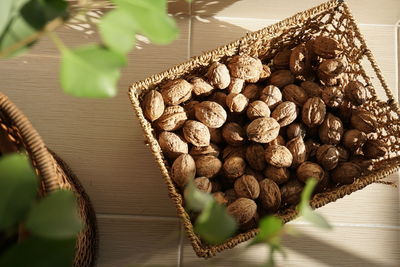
252	133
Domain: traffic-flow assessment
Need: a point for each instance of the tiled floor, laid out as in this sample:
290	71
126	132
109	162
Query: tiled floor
102	142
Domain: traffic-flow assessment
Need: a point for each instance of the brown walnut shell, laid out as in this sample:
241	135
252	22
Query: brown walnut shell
234	151
291	192
247	186
236	85
211	150
281	78
251	91
234	134
285	113
234	167
331	68
327	47
345	173
212	114
208	166
297	148
374	149
276	174
328	156
300	61
363	121
332	96
278	156
295	129
176	91
196	133
201	87
271	95
263	130
255	156
236	102
246	68
242	210
356	93
282	59
189	108
295	94
219	97
270	195
309	169
257	109
172	119
183	169
172	145
311	88
354	139
203	184
218	75
153	105
220	198
331	130
311	148
313	112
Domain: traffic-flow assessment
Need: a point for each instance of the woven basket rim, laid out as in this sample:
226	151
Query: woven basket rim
138	88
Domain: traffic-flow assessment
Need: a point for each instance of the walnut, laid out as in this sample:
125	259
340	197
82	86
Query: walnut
257	174
345	173
356	93
343	154
278	156
295	94
327	47
176	91
311	88
189	108
203	184
263	130
234	151
247	186
211	150
201	87
215	186
242	210
295	129
281	78
251	91
309	169
313	112
366	165
331	68
345	111
327	156
218	75
220	98
363	121
282	59
270	195
236	102
172	145
233	134
172	119
279	140
277	174
291	192
183	169
300	61
311	148
220	198
255	156
234	167
153	105
246	68
354	139
230	195
285	113
196	133
257	109
271	95
265	73
212	114
331	130
297	148
207	166
374	149
332	96
236	85
216	135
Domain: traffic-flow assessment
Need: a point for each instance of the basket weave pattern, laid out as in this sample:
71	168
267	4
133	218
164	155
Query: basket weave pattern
55	175
332	19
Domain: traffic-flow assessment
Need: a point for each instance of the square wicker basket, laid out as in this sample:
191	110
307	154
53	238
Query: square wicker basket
333	19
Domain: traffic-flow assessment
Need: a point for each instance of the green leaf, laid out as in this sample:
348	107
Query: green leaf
270	230
151	19
306	211
91	71
18	189
117	29
195	199
214	224
37	252
55	216
314	218
25	18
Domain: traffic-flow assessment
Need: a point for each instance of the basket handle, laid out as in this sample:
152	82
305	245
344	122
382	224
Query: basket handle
37	149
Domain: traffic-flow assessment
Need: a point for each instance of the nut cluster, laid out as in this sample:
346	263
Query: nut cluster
253	131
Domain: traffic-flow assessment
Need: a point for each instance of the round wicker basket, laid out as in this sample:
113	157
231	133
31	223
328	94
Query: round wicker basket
17	133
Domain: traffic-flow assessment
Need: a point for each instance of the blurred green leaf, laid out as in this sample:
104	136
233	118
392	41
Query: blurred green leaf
91	71
24	19
214	224
151	19
195	199
18	189
55	216
305	209
117	29
38	252
270	230
6	7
